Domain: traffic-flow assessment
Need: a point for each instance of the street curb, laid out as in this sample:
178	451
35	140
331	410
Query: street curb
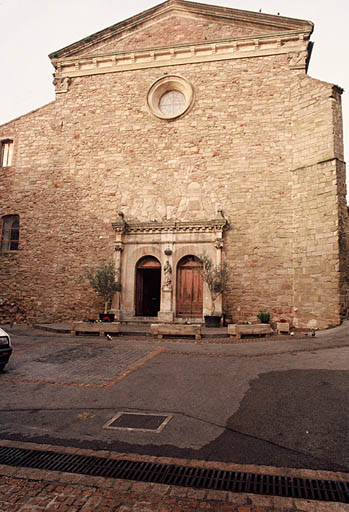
224	466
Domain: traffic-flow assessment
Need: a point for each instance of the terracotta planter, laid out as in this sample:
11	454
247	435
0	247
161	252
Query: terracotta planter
212	321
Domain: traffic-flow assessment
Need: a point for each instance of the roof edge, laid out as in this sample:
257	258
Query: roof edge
33	111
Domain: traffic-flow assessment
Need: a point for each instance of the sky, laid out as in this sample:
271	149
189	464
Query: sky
31	29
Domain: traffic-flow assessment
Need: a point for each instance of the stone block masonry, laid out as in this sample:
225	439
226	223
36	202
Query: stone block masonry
262	141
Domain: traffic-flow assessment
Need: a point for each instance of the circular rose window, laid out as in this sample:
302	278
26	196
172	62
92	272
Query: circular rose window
170	97
172	103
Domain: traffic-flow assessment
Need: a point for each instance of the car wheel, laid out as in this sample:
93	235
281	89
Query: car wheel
2	366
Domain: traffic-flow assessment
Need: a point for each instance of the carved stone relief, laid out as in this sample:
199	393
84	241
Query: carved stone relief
188	204
61	84
193	206
149	206
297	60
167	286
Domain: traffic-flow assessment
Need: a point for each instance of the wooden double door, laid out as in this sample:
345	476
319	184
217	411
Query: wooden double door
189	297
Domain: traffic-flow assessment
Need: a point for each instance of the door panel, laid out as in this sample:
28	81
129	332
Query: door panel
197	294
139	292
151	291
189	288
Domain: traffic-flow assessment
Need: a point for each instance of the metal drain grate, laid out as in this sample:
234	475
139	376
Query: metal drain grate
138	421
185	476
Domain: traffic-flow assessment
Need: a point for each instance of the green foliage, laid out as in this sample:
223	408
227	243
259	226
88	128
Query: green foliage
215	276
264	317
104	281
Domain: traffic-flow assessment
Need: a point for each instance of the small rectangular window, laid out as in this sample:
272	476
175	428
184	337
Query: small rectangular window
6	151
10	233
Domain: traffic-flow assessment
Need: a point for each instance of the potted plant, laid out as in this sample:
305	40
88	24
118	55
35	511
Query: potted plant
264	317
227	319
216	277
104	281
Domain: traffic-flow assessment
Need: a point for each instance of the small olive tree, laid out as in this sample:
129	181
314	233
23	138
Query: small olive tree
215	276
103	279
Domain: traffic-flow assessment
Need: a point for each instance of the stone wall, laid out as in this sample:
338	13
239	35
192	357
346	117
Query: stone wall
259	142
179	29
318	199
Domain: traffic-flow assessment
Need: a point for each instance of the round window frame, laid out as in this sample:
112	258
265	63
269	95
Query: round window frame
166	84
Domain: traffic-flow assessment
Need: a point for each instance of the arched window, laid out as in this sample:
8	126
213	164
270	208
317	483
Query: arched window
10	233
6	151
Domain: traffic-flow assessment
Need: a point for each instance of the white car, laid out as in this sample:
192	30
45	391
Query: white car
5	348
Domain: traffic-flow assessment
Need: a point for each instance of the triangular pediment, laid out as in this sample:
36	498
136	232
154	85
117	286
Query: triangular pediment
177	22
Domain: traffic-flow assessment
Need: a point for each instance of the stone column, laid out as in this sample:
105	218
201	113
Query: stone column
219	260
116	302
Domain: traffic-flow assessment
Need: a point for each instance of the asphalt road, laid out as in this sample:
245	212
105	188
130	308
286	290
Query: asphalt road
275	403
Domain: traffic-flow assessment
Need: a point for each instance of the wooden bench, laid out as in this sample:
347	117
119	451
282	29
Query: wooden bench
97	327
245	330
161	330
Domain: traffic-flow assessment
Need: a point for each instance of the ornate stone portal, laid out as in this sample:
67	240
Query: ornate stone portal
168	243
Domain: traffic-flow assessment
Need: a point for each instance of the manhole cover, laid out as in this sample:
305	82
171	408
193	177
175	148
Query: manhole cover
140	421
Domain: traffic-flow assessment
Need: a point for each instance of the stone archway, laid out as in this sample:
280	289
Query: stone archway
139	246
148	281
189	289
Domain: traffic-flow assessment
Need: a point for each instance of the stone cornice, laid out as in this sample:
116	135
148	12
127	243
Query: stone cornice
292	43
208	226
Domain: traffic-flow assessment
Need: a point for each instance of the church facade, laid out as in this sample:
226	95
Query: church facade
188	129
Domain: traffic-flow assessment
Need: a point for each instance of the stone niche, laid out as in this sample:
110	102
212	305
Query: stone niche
159	271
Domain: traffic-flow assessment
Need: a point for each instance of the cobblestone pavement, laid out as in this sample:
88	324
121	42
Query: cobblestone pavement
44	365
35	491
76	363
